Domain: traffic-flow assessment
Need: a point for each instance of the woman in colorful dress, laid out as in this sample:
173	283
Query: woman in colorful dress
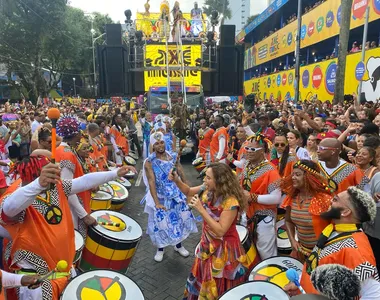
307	197
220	261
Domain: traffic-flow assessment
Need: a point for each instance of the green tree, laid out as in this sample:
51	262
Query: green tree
251	19
42	40
221	6
344	37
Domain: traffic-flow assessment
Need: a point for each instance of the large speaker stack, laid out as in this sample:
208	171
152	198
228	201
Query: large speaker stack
118	76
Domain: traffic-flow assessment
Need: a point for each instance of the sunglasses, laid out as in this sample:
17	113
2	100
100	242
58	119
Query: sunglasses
322	148
280	145
252	149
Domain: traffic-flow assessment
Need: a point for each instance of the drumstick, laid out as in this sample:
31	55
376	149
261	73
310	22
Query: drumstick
60	267
120	225
53	115
182	145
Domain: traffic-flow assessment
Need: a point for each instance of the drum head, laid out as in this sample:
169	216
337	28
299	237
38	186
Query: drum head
256	290
106	188
133	155
132	229
130	161
242	231
197	161
101	195
119	191
130	174
274	270
79	240
124	182
102	284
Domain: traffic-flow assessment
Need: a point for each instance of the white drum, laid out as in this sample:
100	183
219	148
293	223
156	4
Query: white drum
256	290
274	270
79	245
129	161
102	284
124	182
134	155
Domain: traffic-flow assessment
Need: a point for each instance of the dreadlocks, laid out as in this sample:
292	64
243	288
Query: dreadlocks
262	140
29	168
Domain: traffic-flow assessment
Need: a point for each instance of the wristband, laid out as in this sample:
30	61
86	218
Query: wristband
254	198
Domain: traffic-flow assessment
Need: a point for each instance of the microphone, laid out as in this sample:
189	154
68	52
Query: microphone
200	193
336	282
293	276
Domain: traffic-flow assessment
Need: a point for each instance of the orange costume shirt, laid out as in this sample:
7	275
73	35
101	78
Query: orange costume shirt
214	145
205	137
67	159
120	139
98	151
352	250
42	239
344	176
260	180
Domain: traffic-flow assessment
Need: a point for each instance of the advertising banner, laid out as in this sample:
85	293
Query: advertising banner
155	56
319	24
319	79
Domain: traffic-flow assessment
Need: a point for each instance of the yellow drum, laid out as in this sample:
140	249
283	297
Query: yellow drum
119	197
100	200
110	247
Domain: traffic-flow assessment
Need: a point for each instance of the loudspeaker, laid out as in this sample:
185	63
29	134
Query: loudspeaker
231	71
227	35
113	71
113	34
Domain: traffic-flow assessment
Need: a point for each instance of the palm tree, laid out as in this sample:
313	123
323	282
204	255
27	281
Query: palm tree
221	6
344	36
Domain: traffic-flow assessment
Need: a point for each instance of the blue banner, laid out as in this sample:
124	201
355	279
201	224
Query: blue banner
275	6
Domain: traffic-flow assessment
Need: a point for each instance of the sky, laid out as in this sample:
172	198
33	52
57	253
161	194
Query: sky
115	8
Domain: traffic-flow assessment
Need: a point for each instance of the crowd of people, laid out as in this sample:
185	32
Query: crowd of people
315	162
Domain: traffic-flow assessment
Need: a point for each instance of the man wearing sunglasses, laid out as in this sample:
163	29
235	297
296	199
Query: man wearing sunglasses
260	181
339	173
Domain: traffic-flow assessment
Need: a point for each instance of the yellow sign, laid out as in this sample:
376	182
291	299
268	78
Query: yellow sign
319	79
156	56
320	24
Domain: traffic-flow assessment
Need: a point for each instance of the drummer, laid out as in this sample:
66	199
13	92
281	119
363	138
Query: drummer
170	220
205	134
68	127
97	154
39	221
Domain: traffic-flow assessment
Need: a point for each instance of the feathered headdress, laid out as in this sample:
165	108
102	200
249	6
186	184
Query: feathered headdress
29	168
261	139
68	126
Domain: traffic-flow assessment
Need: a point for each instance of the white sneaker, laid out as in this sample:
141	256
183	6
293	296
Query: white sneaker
159	256
182	251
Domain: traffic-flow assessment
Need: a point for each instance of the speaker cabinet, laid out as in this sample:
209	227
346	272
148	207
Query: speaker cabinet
227	35
113	34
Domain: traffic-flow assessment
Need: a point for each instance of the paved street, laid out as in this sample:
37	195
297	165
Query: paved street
165	280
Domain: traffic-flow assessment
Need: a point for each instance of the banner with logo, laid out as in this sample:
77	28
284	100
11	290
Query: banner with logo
319	79
155	56
320	24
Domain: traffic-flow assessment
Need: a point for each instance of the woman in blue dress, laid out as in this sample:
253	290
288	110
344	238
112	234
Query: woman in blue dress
170	221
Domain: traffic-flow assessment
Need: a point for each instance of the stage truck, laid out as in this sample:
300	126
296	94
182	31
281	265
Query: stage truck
177	48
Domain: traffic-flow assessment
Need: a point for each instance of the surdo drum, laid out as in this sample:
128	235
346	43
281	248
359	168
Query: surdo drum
248	245
199	164
102	285
110	247
119	196
100	200
129	161
256	290
79	245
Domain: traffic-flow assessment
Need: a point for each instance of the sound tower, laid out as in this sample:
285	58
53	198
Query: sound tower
231	64
227	35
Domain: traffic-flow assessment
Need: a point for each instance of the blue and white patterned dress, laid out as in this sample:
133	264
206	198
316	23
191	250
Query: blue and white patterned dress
174	225
168	141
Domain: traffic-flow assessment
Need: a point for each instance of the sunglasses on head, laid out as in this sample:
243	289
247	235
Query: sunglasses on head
252	149
280	145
